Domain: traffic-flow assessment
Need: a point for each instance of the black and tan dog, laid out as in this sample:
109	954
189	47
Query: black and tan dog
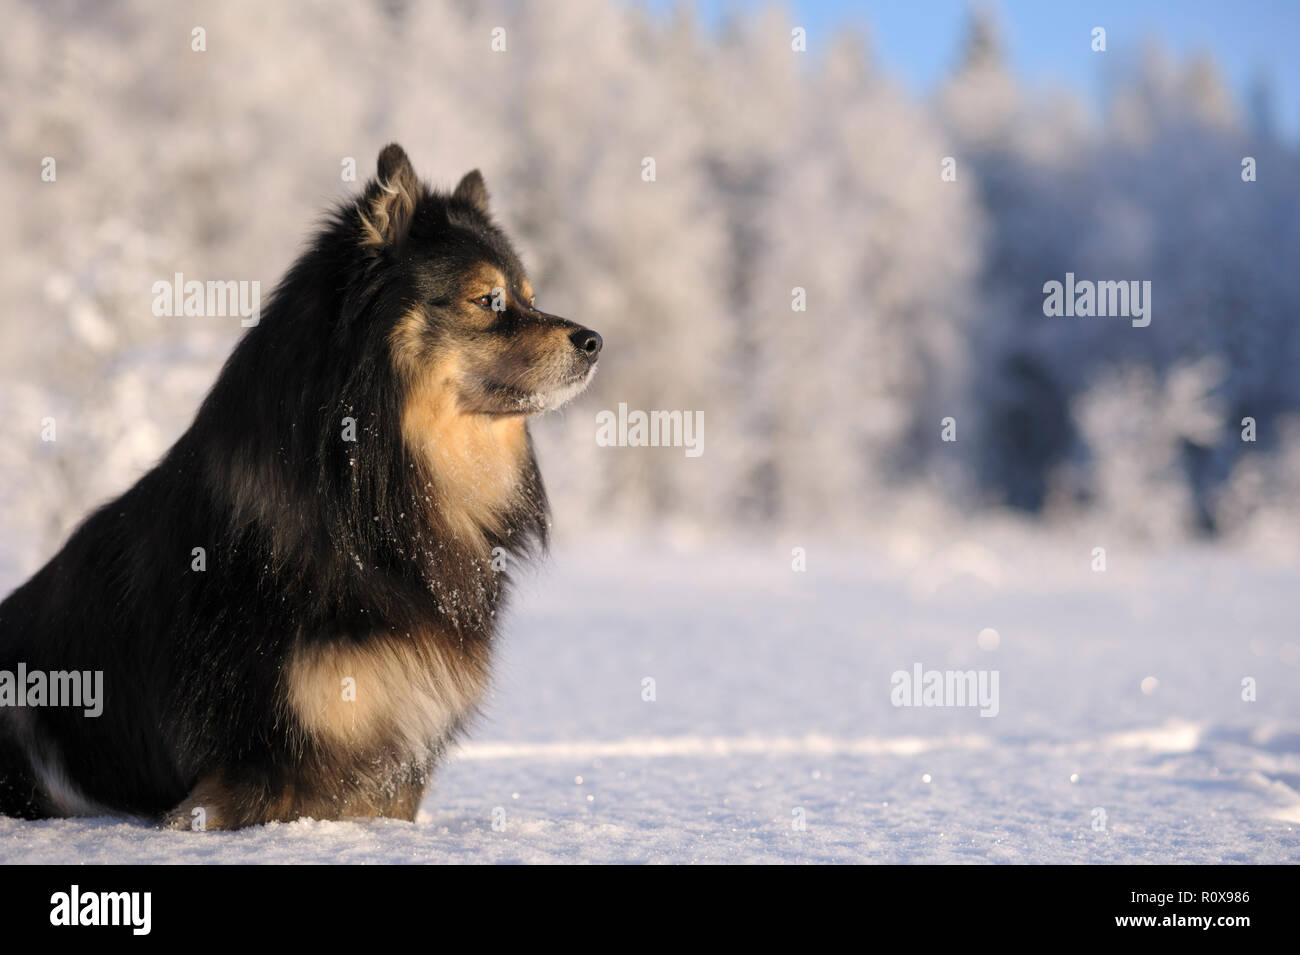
357	478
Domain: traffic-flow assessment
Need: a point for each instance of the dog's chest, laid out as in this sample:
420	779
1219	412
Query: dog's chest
399	693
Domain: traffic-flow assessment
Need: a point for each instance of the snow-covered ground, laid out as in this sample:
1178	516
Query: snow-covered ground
772	701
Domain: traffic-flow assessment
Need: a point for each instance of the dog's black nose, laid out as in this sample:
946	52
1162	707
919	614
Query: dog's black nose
587	342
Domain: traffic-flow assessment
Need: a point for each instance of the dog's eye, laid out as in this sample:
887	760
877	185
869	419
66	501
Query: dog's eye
483	301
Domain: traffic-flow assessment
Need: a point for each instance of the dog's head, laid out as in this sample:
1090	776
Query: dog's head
469	326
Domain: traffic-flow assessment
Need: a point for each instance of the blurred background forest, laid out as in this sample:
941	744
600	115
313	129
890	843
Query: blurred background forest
774	169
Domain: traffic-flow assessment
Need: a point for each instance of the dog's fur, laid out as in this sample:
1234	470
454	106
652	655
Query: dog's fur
341	632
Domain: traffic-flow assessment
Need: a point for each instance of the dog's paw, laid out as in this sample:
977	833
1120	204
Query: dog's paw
200	811
190	818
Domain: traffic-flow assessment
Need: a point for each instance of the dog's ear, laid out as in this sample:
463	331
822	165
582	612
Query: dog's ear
390	198
473	190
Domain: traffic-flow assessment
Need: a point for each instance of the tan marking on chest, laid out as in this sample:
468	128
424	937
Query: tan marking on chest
391	690
476	460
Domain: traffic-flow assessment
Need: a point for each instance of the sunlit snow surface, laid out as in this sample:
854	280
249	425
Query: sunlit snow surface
772	695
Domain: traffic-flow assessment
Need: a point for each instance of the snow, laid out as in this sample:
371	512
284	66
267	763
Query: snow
772	695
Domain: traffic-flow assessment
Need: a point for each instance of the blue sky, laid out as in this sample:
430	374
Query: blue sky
1048	40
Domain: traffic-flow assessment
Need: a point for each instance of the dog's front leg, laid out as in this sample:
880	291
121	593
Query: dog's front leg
218	802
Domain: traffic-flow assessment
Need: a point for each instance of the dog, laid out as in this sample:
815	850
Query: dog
294	611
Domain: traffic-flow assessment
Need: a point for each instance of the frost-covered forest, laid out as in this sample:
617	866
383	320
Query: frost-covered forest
921	231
